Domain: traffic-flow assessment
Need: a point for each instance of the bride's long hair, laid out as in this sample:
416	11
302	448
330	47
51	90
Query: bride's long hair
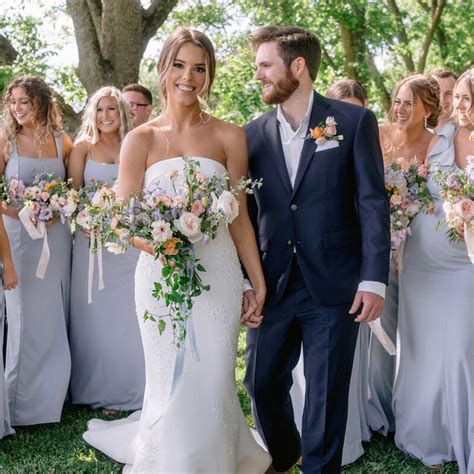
168	54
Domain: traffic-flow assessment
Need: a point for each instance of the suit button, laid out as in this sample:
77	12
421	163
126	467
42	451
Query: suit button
293	207
290	242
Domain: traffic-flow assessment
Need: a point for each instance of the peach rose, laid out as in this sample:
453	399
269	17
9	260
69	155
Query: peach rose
465	209
190	226
169	247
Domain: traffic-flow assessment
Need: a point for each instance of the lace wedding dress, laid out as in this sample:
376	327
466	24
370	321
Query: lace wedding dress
191	423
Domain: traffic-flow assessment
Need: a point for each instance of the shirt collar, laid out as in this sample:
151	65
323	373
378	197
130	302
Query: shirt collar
303	127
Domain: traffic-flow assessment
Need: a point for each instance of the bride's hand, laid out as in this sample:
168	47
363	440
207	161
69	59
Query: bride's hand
144	246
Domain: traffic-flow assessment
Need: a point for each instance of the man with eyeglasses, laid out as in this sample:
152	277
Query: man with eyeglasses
140	103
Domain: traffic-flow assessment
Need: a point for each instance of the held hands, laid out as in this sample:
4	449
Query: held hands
372	306
10	278
252	307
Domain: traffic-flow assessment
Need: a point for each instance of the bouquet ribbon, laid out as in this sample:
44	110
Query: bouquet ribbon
90	278
36	232
469	239
382	336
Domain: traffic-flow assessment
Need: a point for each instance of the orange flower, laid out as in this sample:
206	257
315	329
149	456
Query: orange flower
317	132
169	247
47	186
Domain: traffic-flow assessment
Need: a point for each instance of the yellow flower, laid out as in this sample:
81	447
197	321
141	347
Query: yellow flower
47	186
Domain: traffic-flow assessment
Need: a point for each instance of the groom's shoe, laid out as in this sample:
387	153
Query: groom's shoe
272	470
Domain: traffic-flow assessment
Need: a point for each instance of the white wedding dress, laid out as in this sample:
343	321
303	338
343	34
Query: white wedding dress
192	423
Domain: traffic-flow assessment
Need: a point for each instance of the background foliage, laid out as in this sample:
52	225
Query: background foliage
376	41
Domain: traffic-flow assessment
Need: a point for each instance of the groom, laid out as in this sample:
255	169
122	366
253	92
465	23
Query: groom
322	221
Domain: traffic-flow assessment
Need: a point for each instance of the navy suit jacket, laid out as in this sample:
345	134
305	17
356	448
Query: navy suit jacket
337	213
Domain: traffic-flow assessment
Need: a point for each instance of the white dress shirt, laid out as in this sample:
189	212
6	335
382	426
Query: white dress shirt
292	142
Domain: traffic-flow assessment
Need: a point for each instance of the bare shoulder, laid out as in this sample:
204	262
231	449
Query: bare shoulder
81	147
228	133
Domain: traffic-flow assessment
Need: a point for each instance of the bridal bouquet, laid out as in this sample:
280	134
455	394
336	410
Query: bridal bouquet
457	192
174	213
43	201
97	202
406	185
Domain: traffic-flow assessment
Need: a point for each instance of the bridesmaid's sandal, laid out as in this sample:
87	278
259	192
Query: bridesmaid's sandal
435	467
108	411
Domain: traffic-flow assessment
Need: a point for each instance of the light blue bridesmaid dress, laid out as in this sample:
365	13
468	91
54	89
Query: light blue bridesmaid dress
108	367
433	397
5	427
38	361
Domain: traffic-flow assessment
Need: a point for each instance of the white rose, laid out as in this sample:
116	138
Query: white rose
82	219
331	121
413	209
161	231
115	248
69	208
189	225
228	205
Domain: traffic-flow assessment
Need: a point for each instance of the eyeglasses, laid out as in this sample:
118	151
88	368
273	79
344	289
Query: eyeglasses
134	105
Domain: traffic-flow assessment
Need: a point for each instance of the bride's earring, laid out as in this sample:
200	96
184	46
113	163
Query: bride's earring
425	121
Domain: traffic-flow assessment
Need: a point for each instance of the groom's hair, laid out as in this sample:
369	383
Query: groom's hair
293	42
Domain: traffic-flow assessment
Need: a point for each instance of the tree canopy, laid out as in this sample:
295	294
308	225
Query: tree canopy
375	41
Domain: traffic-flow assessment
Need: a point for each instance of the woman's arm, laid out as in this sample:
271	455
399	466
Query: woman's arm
10	278
132	166
77	163
241	229
67	148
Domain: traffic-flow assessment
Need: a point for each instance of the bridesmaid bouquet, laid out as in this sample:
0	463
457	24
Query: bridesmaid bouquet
96	203
174	213
406	185
43	201
457	192
12	191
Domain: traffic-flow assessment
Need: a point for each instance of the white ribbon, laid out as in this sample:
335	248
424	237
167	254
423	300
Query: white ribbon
469	239
91	266
382	336
36	232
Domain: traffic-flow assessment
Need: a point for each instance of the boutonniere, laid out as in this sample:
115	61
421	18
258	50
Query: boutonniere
325	131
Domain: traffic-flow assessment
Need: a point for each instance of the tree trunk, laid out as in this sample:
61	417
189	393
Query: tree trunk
112	36
401	36
8	53
435	19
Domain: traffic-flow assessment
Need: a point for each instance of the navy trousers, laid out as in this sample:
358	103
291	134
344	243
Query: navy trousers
329	335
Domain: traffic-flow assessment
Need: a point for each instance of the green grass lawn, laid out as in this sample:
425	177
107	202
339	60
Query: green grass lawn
59	447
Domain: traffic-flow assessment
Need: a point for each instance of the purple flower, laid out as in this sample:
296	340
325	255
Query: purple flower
45	214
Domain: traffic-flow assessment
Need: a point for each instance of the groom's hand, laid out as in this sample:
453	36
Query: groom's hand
249	305
372	306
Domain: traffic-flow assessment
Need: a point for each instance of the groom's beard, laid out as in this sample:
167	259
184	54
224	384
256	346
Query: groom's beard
281	91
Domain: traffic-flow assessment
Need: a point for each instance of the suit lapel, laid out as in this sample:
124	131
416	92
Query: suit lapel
271	134
319	114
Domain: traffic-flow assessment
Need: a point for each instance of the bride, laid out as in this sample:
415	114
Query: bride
191	423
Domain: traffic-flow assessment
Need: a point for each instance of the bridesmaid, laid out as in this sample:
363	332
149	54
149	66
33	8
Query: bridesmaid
434	391
38	362
414	112
108	368
357	430
9	281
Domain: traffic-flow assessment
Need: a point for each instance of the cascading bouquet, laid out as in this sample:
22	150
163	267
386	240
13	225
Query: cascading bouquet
43	201
406	185
96	202
174	213
457	192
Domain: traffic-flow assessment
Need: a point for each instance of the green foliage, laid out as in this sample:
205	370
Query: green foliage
33	54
